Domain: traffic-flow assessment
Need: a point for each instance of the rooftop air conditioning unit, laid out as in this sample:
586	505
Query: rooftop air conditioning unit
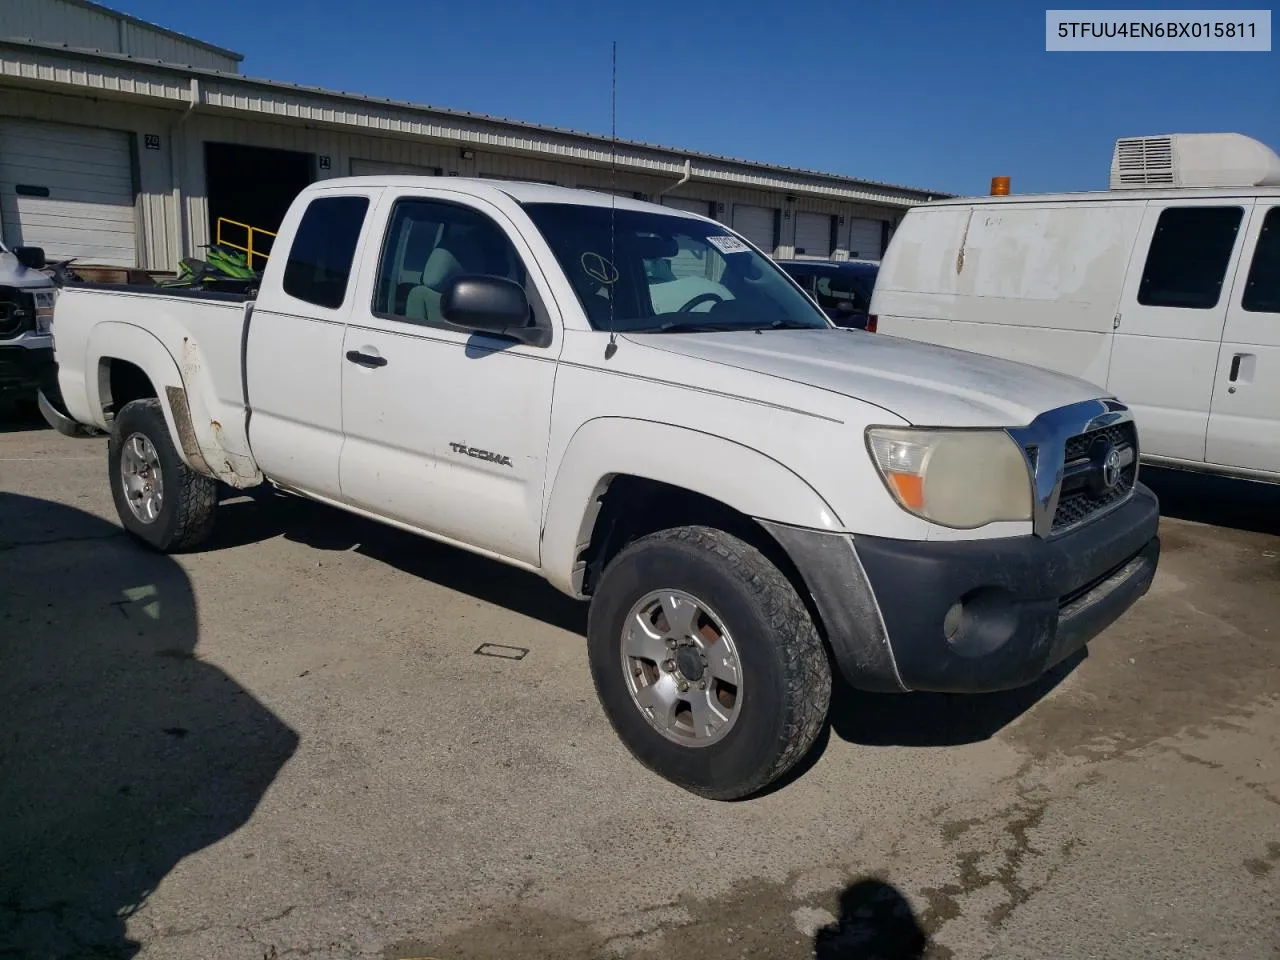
1193	160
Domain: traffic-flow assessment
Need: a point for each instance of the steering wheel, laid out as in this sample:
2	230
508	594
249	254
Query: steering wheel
700	298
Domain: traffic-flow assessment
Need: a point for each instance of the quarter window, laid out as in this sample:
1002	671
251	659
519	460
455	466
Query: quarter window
1262	289
428	244
324	247
1187	263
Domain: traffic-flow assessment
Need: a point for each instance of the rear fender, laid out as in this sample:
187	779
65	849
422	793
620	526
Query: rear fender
182	389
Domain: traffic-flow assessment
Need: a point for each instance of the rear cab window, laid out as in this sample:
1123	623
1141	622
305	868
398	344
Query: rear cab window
843	292
318	269
802	277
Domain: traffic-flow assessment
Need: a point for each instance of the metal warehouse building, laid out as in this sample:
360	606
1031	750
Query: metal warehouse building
125	144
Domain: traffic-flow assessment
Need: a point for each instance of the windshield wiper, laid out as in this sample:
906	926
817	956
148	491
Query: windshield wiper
788	325
686	326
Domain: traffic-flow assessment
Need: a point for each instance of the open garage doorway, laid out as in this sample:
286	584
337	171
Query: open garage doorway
252	187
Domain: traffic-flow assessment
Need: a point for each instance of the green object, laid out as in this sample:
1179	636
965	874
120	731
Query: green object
222	269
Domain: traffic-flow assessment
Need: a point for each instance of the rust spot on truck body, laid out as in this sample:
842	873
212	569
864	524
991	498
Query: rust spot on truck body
186	429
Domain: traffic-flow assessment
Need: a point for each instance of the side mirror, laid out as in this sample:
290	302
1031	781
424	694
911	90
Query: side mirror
30	257
493	305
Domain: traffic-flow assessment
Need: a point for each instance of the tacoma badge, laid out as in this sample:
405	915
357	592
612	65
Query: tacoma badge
479	454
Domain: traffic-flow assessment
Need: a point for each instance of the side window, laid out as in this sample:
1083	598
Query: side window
1187	262
430	243
840	293
1262	289
323	250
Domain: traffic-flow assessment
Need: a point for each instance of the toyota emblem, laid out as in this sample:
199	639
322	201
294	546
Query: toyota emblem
1111	469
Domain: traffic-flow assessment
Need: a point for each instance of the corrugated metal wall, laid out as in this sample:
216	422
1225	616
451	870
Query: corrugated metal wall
55	22
138	41
173	209
60	21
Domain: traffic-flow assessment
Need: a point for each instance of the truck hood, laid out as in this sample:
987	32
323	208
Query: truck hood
14	274
924	384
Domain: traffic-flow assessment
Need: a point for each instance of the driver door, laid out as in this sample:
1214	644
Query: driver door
445	430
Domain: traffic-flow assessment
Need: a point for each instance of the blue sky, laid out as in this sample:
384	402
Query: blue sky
930	94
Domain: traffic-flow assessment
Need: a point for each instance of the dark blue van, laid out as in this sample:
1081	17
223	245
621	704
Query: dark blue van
841	287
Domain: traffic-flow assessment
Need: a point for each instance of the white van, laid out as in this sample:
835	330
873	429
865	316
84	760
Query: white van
1164	289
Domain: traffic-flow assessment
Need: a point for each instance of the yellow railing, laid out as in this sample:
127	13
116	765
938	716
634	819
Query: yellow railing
248	248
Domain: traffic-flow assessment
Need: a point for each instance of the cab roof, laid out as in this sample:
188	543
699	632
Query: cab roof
521	191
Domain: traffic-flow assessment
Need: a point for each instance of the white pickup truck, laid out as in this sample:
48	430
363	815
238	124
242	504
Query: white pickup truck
640	406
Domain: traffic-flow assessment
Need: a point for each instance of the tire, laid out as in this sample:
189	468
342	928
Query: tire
186	509
780	703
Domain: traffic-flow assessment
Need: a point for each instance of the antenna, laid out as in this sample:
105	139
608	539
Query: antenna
612	348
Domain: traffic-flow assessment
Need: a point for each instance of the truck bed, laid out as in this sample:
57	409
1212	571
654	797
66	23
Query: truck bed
145	289
187	344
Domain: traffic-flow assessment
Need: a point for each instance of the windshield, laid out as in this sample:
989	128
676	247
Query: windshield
668	273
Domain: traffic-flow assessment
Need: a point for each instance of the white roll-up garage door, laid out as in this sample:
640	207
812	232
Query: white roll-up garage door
69	190
813	235
684	203
373	168
864	238
756	224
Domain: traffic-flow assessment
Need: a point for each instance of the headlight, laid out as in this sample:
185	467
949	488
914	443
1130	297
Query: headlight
956	478
44	310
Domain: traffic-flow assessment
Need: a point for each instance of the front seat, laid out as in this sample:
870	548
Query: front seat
454	258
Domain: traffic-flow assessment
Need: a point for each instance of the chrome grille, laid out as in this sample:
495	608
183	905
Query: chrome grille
1082	495
17	312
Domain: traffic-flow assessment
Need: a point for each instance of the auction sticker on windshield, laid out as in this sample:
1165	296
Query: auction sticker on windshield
728	244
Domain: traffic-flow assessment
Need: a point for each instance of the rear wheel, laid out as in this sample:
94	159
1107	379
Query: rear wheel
159	499
707	662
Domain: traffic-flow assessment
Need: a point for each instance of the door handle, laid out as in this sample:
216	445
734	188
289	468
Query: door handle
1242	370
366	359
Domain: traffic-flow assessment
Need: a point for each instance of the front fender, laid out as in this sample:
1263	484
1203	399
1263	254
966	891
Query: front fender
738	476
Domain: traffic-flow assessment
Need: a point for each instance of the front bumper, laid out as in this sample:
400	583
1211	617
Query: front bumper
24	369
1024	603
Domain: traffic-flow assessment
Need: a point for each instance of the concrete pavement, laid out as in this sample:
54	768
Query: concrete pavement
287	745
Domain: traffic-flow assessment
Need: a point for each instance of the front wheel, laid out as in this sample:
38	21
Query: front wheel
707	662
160	500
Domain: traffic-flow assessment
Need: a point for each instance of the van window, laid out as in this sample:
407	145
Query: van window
323	250
1187	262
1262	289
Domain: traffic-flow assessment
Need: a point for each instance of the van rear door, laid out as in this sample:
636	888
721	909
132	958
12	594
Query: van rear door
1164	355
1244	422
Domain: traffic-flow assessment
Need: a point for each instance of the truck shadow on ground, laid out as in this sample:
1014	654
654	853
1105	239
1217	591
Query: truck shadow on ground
21	418
922	719
1217	501
250	519
121	752
916	720
875	923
